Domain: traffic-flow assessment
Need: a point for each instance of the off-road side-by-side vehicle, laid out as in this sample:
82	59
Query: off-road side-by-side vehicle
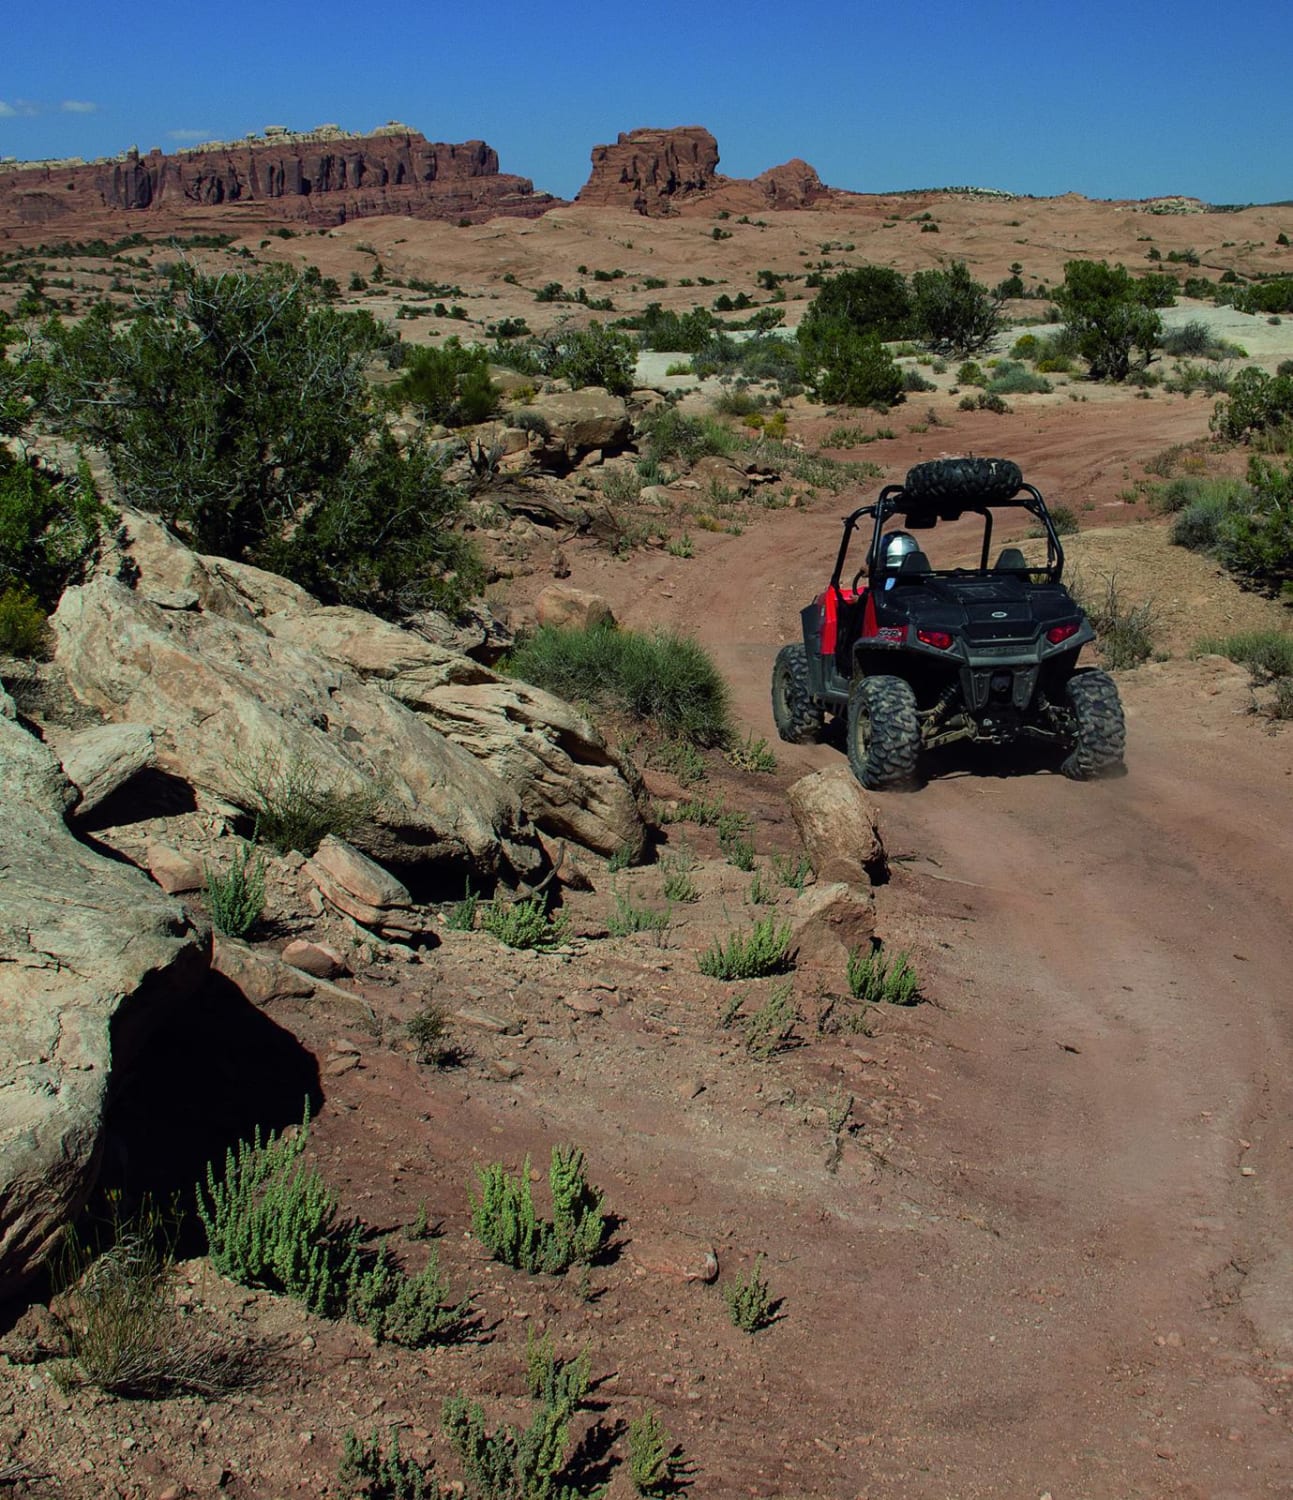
912	657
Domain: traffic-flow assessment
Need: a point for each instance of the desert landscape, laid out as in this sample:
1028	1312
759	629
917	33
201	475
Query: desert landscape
1025	1237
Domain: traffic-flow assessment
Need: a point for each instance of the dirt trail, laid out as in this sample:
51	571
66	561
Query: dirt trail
1090	1294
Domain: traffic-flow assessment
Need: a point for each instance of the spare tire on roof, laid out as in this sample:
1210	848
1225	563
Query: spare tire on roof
964	479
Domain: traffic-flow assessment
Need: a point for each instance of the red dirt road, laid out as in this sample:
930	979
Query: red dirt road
1080	1280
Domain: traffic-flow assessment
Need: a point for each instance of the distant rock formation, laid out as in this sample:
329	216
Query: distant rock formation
321	177
657	172
651	171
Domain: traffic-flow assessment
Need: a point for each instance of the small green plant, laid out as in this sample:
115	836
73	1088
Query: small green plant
681	546
874	978
769	1029
621	859
560	1385
1267	654
683	759
366	1470
752	754
236	898
461	916
653	1463
792	873
524	924
734	841
428	1030
707	811
762	891
764	950
678	882
749	1299
628	918
504	1220
511	1463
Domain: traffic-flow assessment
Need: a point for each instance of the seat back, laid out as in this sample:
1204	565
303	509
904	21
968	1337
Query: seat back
1011	560
914	563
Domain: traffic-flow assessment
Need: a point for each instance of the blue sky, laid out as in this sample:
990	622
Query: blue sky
1129	99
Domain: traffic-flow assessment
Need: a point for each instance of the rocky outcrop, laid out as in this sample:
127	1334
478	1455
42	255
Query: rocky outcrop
90	953
323	178
657	172
568	780
652	171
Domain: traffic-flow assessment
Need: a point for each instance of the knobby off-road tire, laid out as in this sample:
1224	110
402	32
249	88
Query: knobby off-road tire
883	733
799	719
1099	730
964	479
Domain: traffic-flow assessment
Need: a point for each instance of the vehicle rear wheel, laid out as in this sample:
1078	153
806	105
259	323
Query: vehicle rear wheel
798	717
1099	730
964	479
883	733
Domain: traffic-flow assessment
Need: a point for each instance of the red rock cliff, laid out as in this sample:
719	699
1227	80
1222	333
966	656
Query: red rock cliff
325	177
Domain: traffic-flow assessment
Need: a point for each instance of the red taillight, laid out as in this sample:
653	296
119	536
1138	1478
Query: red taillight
941	640
1058	633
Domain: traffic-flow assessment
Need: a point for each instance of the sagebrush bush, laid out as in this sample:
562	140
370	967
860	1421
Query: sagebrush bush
1124	632
1010	378
448	383
664	679
1267	654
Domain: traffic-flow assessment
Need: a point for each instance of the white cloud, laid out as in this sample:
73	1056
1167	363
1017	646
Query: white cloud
7	111
19	109
188	135
79	107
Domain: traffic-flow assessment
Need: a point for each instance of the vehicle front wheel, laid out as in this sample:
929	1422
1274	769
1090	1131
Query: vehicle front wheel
1099	730
883	733
798	716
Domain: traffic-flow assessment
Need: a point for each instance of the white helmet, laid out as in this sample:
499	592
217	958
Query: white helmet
896	546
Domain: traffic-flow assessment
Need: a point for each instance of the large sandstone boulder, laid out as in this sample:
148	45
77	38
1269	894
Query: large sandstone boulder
228	704
839	824
580	421
90	953
568	780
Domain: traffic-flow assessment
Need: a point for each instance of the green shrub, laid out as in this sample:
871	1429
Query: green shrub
560	1385
1109	315
237	407
428	1030
1256	401
664	679
792	873
850	368
749	1299
1065	520
365	1470
876	979
667	434
24	629
678	882
448	383
271	1222
771	1026
653	1464
764	950
1267	654
914	381
1248	527
523	924
504	1220
752	754
1011	379
236	898
951	312
49	534
510	1463
461	916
